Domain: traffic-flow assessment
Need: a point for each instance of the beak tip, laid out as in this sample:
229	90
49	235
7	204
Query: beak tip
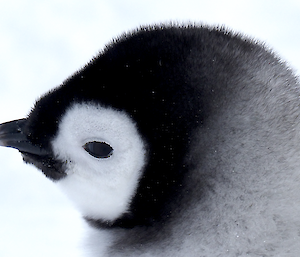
11	135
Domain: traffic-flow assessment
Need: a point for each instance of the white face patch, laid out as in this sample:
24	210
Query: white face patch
101	188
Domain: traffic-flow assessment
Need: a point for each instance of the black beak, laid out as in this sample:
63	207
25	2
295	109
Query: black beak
12	135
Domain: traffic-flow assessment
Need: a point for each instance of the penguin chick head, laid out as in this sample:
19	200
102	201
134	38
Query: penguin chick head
114	136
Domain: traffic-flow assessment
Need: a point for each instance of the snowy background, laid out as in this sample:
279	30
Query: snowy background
43	42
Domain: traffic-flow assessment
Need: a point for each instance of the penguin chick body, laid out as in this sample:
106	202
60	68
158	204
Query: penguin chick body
175	141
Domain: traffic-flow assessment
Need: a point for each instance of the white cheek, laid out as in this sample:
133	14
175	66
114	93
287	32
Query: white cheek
100	188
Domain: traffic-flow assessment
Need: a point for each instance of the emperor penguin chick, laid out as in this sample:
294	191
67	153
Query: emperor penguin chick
175	141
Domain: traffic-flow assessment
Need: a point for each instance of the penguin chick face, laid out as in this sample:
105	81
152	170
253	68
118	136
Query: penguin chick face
104	156
85	134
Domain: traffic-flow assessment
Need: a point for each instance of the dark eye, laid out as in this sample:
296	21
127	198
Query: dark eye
98	149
